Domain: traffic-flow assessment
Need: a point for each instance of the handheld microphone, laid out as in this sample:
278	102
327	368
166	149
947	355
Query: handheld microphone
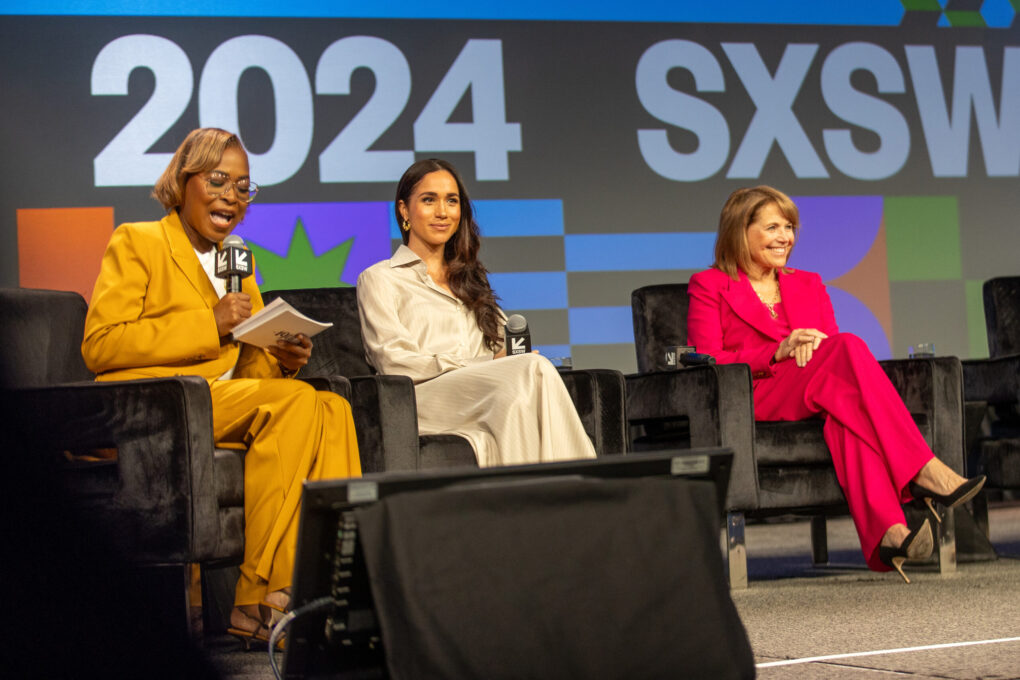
518	337
233	262
696	359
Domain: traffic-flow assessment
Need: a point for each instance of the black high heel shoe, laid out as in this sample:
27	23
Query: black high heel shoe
918	545
960	494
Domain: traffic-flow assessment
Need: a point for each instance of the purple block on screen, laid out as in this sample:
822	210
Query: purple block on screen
853	316
271	226
836	233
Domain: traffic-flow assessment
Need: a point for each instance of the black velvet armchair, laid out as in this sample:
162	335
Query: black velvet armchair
135	457
992	390
778	467
384	405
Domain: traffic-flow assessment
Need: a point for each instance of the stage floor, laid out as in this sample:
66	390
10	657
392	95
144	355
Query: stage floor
966	626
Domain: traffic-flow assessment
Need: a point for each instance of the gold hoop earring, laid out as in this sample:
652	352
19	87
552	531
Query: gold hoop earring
406	226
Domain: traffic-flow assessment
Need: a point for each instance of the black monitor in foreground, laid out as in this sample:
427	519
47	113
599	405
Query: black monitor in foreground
343	639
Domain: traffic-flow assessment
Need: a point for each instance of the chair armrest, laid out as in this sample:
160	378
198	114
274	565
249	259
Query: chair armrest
386	421
717	400
337	384
996	381
599	395
934	388
153	502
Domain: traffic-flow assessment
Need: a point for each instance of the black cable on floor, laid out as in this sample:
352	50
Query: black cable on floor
288	618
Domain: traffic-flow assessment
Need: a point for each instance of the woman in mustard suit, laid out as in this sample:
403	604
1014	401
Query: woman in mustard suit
751	308
158	310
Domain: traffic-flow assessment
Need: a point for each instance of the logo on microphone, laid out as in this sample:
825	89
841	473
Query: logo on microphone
517	346
233	259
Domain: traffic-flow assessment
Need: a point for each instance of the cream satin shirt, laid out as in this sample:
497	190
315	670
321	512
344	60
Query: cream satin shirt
412	326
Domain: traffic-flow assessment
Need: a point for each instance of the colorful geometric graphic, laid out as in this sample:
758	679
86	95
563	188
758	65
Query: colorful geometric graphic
924	238
924	241
964	13
842	239
313	245
630	252
62	248
862	246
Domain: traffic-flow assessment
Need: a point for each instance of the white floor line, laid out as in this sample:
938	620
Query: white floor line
829	657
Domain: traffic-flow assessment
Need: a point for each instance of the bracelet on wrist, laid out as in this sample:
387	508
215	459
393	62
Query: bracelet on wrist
287	372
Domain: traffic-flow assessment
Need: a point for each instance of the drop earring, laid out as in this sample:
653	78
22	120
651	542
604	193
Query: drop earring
406	226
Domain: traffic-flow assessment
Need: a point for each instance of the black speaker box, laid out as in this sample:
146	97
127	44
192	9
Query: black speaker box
597	569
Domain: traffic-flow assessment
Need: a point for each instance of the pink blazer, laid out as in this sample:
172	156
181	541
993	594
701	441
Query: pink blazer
727	320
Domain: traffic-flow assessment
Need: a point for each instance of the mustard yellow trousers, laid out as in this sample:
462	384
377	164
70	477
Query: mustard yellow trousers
292	433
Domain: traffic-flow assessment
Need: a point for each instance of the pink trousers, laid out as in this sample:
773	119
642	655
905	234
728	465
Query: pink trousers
876	447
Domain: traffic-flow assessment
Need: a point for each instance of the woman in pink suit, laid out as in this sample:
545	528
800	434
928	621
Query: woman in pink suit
751	308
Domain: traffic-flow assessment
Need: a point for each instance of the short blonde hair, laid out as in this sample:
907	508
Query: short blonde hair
201	150
732	253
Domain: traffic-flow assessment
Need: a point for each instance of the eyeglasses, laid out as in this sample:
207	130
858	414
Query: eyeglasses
218	183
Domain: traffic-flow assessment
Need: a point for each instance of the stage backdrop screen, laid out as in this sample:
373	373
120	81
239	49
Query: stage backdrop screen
598	144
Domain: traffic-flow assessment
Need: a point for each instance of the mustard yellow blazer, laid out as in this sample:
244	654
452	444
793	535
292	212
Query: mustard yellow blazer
151	313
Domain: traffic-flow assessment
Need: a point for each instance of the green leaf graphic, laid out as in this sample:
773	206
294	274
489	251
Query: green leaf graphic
301	268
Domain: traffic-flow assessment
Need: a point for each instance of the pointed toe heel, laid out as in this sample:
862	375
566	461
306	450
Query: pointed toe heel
961	494
918	545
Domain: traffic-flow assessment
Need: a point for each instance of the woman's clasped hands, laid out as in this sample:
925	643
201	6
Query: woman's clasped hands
800	345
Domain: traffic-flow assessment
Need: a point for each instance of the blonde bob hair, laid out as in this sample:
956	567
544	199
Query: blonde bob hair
732	253
201	151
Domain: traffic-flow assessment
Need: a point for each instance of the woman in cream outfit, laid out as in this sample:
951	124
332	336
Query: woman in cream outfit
429	313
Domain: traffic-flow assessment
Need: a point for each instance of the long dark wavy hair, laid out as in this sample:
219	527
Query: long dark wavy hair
466	275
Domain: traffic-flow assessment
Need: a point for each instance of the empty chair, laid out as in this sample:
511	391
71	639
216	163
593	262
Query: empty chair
992	391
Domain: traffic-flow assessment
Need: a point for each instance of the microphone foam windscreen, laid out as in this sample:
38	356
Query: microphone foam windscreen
516	323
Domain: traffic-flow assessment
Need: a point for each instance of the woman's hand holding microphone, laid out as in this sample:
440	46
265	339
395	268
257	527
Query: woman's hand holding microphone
232	309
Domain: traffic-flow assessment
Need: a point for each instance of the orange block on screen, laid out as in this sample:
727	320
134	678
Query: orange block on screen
62	248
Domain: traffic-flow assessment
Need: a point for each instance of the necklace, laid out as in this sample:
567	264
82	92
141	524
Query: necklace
770	304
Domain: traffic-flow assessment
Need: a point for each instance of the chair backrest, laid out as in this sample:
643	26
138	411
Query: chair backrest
339	350
1002	315
660	321
41	333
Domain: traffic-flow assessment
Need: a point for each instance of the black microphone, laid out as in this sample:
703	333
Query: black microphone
518	337
696	359
233	262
